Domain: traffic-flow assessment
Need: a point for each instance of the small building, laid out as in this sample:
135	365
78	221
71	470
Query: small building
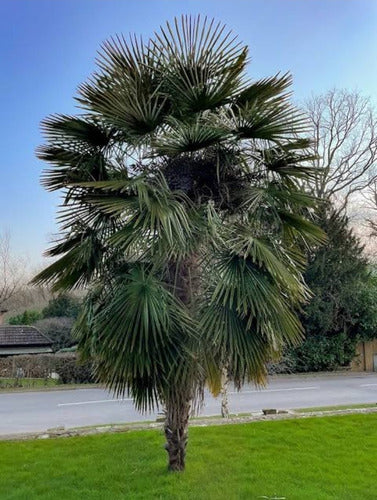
19	339
366	357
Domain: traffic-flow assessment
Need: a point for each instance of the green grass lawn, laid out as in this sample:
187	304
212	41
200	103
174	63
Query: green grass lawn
336	407
28	383
38	384
314	458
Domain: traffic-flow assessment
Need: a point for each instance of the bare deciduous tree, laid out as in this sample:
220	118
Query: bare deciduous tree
344	129
12	275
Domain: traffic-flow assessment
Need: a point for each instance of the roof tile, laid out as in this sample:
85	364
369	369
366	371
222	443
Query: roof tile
22	335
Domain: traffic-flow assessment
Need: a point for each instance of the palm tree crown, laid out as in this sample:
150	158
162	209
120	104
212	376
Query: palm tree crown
183	214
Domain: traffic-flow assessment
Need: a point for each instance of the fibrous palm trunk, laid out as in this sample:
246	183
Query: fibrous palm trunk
183	277
176	433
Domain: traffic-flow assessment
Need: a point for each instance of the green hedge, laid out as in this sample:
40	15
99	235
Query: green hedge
66	365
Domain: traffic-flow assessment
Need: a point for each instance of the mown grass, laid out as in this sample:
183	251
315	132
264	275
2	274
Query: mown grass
336	407
38	384
27	383
314	458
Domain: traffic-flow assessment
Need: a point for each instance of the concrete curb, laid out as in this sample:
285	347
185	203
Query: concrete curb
61	432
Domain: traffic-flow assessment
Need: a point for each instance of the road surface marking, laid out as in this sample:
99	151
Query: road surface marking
234	392
262	391
94	402
367	385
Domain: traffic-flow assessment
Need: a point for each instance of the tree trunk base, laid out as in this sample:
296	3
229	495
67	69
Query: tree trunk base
176	442
176	433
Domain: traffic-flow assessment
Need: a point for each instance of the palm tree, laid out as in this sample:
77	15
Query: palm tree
184	216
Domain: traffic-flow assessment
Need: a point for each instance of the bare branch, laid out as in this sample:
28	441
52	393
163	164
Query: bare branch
12	276
344	130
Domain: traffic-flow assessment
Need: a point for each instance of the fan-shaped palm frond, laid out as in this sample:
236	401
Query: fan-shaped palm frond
274	121
141	335
77	150
183	137
78	266
248	317
202	64
266	90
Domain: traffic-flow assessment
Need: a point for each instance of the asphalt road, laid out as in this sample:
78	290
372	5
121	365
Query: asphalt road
39	411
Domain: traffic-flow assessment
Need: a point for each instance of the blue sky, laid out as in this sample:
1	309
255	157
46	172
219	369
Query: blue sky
47	47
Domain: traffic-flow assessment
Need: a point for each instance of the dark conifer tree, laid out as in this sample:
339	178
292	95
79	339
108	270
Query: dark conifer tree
340	312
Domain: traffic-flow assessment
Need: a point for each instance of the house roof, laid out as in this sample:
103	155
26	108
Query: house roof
19	335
